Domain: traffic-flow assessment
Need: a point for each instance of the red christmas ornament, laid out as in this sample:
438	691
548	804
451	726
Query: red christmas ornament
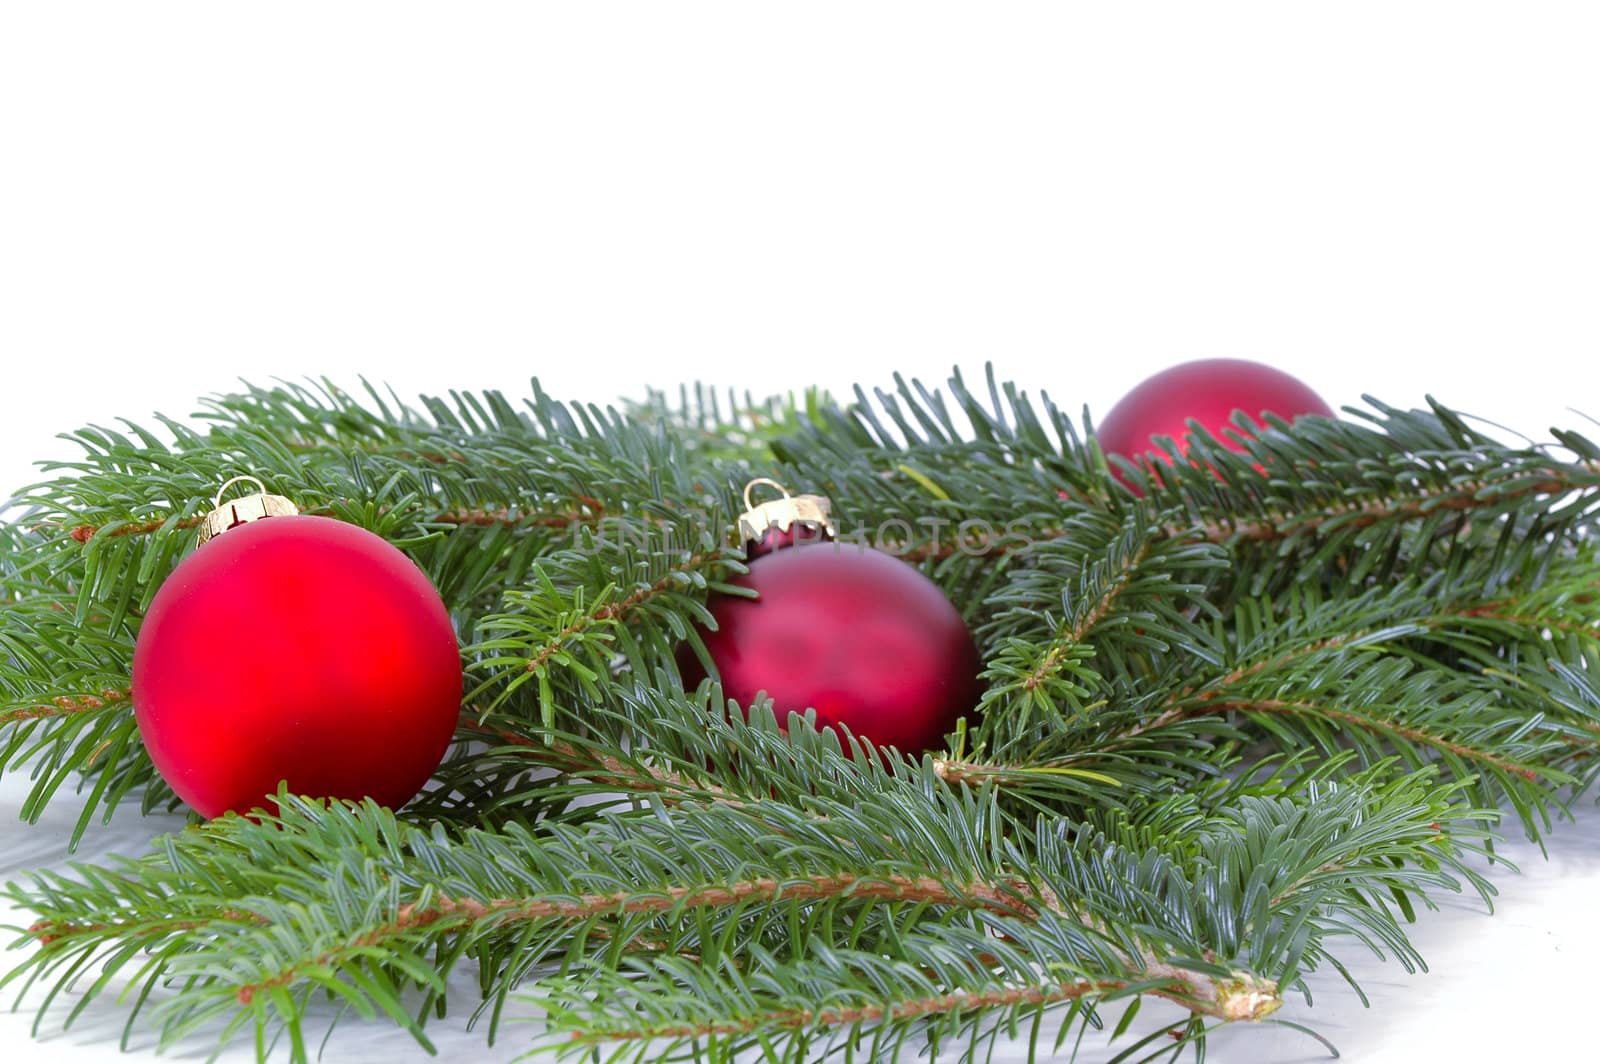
295	648
857	634
1208	391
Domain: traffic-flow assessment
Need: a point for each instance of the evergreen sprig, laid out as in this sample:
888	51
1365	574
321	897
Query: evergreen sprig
1242	712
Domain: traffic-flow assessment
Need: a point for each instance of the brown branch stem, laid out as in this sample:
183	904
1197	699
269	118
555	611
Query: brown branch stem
1275	705
66	705
1228	1000
459	518
1462	498
1497	611
1242	998
1361	515
411	917
601	768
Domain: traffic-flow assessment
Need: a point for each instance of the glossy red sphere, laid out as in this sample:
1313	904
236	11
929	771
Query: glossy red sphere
302	649
1207	391
859	635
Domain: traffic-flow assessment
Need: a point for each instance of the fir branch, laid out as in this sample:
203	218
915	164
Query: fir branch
147	903
82	534
590	513
344	870
1487	493
1233	727
619	609
443	913
561	633
1120	576
629	775
1079	628
66	705
1390	621
1490	494
1246	1002
1329	484
1356	720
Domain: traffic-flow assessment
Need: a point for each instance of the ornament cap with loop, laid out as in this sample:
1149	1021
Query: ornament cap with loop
813	512
244	509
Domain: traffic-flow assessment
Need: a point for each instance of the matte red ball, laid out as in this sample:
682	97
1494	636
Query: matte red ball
299	648
1207	391
859	635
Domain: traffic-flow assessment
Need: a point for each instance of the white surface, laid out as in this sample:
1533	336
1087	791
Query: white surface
1380	197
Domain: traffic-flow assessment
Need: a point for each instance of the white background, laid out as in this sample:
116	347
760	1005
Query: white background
1387	198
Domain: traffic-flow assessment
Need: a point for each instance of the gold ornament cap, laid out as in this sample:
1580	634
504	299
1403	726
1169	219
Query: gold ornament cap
243	510
811	510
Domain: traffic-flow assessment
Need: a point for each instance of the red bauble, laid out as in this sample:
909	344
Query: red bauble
859	635
299	648
1207	391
